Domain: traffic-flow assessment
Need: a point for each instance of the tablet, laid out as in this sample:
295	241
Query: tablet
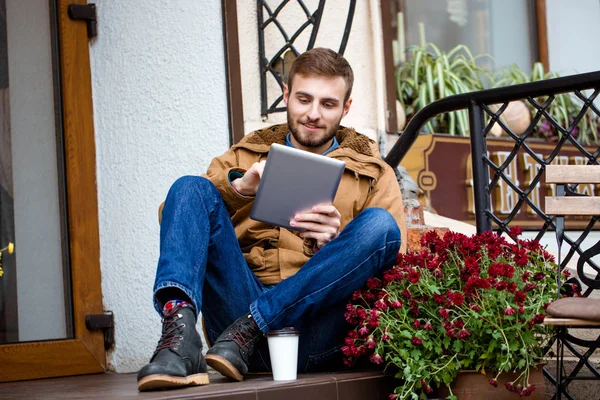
294	181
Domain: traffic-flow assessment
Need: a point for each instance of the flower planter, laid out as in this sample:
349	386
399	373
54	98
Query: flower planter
473	385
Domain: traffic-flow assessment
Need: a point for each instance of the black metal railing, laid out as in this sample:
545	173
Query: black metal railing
273	65
487	174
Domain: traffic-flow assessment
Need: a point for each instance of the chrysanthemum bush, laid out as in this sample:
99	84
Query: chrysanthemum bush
462	303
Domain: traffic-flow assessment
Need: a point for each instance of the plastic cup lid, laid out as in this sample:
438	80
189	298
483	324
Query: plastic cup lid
289	331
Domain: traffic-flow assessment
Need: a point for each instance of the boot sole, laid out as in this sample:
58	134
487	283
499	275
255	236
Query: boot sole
224	367
154	382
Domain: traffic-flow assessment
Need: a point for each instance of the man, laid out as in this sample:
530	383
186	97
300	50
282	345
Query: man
248	277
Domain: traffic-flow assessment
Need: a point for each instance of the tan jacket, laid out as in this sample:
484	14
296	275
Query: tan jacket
275	253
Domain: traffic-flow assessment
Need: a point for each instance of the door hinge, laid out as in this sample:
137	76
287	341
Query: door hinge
86	12
104	322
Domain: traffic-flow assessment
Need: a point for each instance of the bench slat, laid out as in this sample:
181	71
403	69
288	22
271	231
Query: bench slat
573	174
573	206
569	322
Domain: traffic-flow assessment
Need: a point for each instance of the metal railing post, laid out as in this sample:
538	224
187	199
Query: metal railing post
481	176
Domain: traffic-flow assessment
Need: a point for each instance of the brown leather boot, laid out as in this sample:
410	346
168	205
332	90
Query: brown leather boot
177	360
231	351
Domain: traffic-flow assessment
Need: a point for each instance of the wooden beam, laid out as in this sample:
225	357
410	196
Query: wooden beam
584	206
573	174
569	322
388	66
542	33
36	360
234	80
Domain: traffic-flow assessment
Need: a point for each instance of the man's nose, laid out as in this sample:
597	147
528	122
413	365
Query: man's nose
314	113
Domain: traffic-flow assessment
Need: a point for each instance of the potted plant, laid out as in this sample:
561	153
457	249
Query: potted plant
563	109
462	303
430	75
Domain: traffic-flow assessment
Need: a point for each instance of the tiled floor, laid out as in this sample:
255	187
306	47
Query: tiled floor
368	385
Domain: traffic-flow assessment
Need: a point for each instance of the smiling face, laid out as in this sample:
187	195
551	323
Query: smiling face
315	107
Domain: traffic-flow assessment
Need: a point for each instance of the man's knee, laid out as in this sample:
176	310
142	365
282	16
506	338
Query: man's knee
379	222
193	184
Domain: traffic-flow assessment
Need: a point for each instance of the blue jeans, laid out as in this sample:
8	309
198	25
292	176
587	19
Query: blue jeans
200	255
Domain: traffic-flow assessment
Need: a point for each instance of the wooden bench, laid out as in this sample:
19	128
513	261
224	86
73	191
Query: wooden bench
573	312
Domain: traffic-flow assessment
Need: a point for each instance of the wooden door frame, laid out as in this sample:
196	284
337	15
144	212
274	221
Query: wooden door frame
84	353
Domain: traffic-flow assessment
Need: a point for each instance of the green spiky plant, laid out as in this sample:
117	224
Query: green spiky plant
430	74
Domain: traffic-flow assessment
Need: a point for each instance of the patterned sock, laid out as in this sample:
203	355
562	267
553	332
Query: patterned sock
171	304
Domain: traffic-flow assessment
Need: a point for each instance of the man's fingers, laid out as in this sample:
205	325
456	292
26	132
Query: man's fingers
321	219
322	238
260	167
327	209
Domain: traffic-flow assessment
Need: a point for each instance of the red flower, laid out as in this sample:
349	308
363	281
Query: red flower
511	287
538	319
364	331
463	334
474	307
405	293
443	313
459	324
376	358
371	343
529	287
450	333
414	276
417	324
493	382
428	326
509	311
380	304
373	283
439	298
520	297
396	304
515	231
457	299
539	276
416	341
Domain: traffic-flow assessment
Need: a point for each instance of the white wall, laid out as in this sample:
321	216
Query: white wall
160	111
573	32
361	53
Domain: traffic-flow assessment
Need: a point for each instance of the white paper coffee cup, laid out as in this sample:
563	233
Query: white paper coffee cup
283	351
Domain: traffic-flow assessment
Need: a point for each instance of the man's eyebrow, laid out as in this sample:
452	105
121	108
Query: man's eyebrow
333	99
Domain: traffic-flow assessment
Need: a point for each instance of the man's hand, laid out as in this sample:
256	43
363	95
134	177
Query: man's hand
248	184
321	223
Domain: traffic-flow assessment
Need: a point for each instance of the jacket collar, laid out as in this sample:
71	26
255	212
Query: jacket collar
260	140
358	148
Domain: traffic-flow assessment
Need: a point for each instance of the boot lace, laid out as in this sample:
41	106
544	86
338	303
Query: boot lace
245	335
171	331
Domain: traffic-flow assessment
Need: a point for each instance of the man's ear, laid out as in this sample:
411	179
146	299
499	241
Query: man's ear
286	94
347	107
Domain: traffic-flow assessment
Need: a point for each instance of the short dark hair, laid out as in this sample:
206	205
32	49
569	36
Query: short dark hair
322	62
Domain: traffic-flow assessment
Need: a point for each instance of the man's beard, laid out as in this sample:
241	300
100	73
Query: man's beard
309	140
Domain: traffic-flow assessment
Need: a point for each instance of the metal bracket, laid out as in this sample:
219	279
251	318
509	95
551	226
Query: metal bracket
86	12
104	322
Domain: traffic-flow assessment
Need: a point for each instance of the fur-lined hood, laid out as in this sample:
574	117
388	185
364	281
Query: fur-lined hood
358	151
